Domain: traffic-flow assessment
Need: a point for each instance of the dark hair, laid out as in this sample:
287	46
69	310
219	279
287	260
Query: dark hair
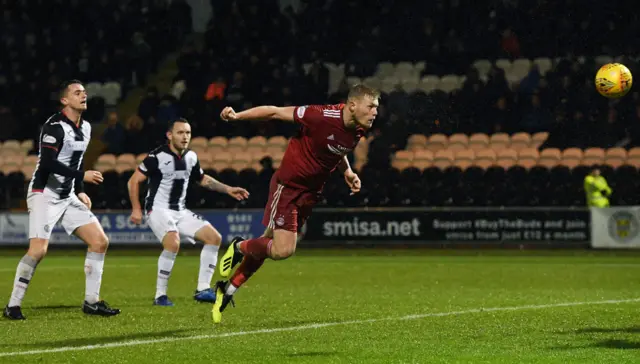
178	120
65	85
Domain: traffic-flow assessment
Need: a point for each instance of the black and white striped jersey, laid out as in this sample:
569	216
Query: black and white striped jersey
168	177
59	171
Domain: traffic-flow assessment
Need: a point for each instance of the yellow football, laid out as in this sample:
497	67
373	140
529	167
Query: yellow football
613	80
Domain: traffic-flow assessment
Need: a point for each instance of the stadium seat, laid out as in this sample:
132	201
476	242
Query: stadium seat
506	158
402	159
429	83
26	146
257	142
504	64
603	59
449	83
615	157
417	142
218	142
94	89
437	142
205	159
199	143
539	138
571	157
11	147
549	157
479	141
593	156
458	141
544	65
483	66
385	69
112	93
443	158
277	141
485	158
520	140
499	141
239	142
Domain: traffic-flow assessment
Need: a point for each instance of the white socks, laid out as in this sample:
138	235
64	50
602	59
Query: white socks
208	260
24	273
93	267
165	265
231	289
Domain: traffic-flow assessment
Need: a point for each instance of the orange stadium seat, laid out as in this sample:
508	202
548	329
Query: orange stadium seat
437	142
615	157
634	152
233	149
27	171
255	148
11	147
539	138
277	159
238	141
464	155
499	141
218	142
206	159
10	168
277	141
417	141
550	157
520	141
221	160
478	141
274	149
528	157
507	158
485	158
199	143
571	157
458	141
257	141
422	159
26	146
125	162
593	156
30	160
402	159
106	162
443	159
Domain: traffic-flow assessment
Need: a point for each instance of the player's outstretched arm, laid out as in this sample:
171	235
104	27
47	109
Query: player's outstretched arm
134	195
259	113
213	184
350	177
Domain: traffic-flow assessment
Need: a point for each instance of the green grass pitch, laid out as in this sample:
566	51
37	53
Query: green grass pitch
353	306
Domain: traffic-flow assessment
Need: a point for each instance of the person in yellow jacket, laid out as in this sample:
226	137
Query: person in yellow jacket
596	189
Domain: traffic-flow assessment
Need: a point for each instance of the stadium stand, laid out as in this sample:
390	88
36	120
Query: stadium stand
480	113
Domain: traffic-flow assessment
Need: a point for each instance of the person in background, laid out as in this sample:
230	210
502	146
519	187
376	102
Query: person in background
596	189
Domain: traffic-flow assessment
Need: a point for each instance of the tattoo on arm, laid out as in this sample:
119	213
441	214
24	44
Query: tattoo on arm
212	184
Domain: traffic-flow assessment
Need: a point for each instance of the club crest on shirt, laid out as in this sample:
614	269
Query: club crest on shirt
301	111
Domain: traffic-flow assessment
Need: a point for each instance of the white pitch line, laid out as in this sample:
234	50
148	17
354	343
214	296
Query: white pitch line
308	327
77	267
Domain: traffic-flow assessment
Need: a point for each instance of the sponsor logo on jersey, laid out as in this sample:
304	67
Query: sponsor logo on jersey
338	149
49	139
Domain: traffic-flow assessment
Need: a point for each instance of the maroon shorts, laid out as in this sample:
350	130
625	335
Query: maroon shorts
288	207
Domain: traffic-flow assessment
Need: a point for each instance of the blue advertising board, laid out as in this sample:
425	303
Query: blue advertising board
14	227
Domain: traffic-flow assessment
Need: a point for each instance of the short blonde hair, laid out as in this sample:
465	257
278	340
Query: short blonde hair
359	90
